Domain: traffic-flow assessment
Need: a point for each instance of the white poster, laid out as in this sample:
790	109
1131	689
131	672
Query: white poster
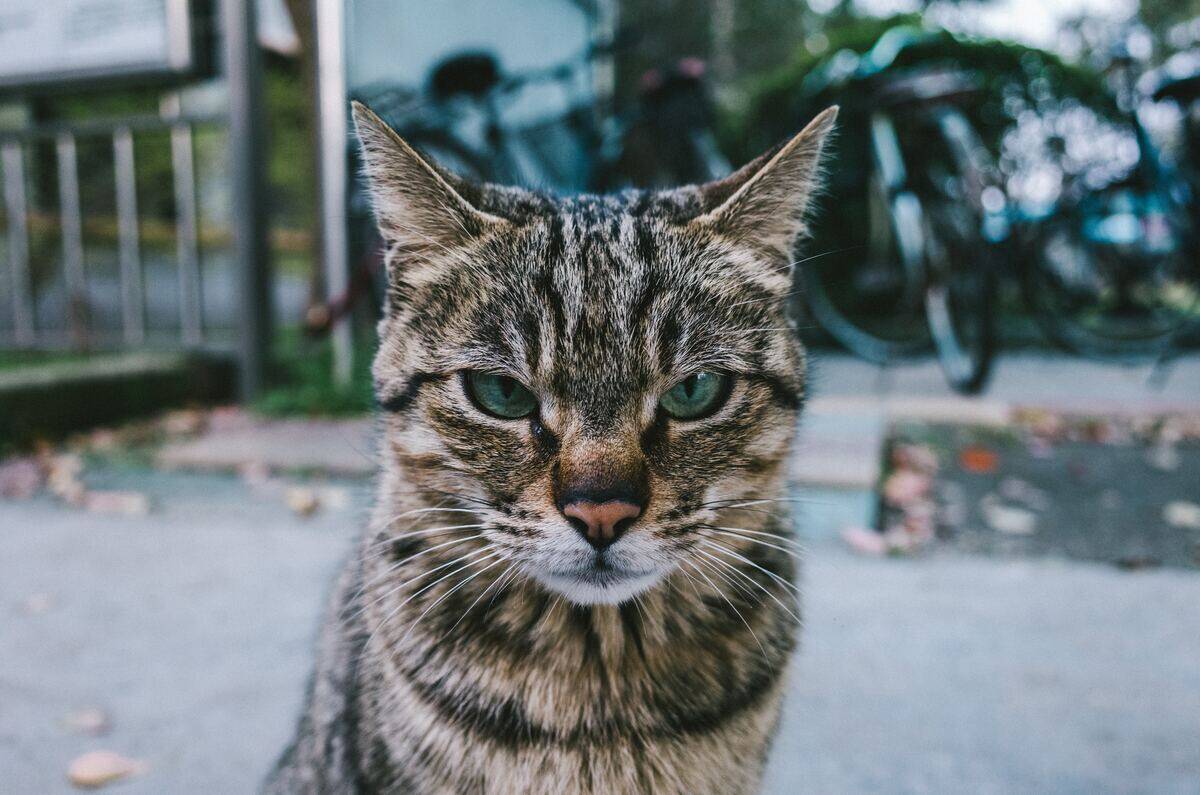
61	40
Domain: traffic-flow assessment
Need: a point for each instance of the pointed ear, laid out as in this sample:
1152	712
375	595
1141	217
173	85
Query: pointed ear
764	203
415	205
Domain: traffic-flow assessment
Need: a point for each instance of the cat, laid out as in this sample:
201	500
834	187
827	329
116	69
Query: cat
578	576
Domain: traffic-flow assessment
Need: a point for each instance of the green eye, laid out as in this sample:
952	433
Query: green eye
499	395
696	396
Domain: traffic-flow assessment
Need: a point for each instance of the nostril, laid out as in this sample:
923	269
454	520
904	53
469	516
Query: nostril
622	525
580	526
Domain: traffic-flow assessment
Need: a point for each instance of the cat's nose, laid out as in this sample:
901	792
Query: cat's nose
601	523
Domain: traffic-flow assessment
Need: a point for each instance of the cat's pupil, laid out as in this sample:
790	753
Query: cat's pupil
689	386
507	387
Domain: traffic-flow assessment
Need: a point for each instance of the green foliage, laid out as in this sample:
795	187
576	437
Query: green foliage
302	379
779	102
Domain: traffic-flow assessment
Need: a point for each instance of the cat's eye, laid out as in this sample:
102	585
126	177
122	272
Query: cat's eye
499	395
697	396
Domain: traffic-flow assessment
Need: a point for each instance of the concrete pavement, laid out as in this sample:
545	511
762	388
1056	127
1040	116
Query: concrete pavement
192	628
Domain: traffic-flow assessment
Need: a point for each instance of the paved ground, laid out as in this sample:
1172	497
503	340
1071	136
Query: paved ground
192	628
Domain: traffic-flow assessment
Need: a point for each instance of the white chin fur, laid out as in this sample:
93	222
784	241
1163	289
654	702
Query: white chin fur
582	591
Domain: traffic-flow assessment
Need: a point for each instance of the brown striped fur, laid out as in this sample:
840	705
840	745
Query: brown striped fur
457	656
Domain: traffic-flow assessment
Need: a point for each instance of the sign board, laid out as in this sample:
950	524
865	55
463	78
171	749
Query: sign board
65	41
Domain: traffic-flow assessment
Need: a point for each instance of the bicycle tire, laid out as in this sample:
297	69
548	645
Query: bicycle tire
961	265
1043	292
818	275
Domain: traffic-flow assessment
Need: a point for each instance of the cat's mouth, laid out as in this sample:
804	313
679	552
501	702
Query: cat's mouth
599	582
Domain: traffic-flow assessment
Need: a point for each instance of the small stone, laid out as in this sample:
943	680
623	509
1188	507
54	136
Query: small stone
92	721
302	501
1182	514
98	768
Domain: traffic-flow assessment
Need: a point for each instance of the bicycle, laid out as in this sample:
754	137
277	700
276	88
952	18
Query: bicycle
943	222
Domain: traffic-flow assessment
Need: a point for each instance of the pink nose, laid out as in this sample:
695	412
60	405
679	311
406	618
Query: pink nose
601	523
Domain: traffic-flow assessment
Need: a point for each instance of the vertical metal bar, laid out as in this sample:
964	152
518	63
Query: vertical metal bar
187	249
332	138
71	214
246	137
18	241
133	306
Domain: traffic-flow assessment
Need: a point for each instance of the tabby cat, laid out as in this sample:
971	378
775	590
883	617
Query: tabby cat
578	576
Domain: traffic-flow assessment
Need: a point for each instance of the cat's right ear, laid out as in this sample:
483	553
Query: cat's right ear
414	204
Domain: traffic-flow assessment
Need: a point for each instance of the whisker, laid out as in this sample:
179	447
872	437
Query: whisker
790	542
391	539
425	551
737	612
764	589
726	531
491	585
415	594
726	550
446	595
413	579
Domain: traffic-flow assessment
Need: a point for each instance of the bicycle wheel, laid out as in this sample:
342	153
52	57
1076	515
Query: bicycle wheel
958	299
1119	286
959	257
867	297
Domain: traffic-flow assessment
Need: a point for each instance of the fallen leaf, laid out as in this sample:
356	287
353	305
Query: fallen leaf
1006	518
38	604
904	487
1163	457
302	501
918	457
98	768
20	478
978	460
124	503
865	541
1182	514
89	720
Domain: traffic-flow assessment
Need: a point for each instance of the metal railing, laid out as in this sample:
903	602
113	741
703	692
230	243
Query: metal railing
24	331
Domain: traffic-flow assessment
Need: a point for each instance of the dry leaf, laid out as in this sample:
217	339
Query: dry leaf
89	720
1006	518
20	478
98	768
978	460
864	541
1182	514
124	503
302	501
904	487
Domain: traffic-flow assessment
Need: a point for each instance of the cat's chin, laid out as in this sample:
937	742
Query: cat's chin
598	586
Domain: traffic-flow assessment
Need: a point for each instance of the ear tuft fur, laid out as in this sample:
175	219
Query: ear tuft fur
415	206
765	202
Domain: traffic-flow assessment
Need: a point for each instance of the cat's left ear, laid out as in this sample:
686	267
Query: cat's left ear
765	202
416	204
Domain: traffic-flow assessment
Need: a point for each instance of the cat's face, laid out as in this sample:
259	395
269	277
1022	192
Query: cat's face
593	378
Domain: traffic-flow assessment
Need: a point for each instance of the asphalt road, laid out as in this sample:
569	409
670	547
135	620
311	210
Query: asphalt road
191	627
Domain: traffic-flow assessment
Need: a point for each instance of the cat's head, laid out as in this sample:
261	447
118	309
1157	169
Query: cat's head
595	378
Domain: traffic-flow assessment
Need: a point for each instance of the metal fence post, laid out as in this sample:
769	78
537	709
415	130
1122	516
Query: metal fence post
243	71
332	137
